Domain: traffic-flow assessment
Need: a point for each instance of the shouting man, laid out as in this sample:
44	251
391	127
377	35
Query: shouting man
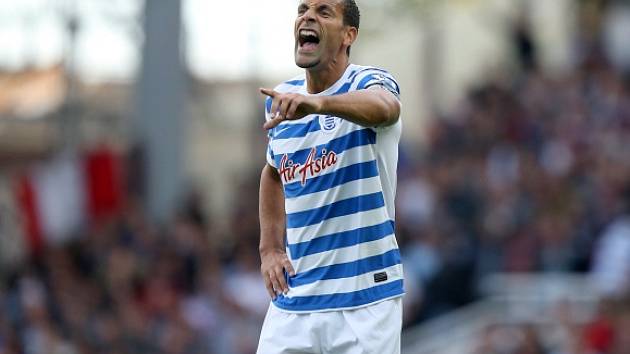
329	255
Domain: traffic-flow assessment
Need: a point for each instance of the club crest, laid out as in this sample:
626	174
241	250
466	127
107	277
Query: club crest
328	123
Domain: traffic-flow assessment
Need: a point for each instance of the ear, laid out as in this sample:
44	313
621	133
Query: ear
350	36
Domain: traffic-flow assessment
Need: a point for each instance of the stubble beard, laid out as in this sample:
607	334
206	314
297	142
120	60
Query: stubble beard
308	65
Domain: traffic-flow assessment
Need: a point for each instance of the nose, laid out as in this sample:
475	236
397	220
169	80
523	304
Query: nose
308	15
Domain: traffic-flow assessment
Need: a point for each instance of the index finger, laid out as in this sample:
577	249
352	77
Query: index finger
269	92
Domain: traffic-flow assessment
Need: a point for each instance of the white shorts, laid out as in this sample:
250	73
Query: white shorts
374	329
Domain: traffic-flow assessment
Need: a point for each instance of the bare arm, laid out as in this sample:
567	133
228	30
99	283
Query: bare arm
273	256
372	107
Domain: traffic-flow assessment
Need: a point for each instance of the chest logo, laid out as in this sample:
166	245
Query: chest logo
290	170
328	123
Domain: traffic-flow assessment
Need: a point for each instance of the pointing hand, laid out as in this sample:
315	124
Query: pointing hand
290	106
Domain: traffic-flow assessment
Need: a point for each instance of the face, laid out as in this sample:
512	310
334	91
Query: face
320	34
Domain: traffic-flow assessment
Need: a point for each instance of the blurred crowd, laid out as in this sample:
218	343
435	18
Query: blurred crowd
531	174
606	332
127	286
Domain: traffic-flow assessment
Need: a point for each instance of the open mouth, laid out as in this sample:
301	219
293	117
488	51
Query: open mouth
308	40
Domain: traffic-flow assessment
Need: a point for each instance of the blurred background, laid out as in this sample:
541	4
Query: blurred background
131	144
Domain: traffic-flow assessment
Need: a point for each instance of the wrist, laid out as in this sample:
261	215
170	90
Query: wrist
264	250
319	104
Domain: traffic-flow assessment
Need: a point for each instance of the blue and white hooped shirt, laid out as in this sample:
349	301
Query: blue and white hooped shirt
339	182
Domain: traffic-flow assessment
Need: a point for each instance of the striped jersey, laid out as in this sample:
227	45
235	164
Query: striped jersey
339	181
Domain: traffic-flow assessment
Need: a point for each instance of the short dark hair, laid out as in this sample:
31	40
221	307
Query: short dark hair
351	16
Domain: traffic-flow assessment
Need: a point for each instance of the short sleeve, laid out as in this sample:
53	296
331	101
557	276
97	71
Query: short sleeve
378	77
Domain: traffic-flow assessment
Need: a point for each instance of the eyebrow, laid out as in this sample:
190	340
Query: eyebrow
323	7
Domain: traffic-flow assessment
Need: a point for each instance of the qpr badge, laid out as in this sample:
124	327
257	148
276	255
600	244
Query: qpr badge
328	123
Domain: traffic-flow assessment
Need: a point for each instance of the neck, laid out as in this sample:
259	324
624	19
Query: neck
319	79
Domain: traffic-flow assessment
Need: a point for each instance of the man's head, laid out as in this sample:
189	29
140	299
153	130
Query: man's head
324	30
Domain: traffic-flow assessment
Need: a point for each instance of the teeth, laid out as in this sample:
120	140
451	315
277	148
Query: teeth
308	33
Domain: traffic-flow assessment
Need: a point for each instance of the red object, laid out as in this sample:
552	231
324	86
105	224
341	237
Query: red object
599	335
103	173
28	205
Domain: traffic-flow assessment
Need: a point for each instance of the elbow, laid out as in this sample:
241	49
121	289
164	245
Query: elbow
390	112
394	110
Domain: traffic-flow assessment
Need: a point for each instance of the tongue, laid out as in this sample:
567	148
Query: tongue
309	46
